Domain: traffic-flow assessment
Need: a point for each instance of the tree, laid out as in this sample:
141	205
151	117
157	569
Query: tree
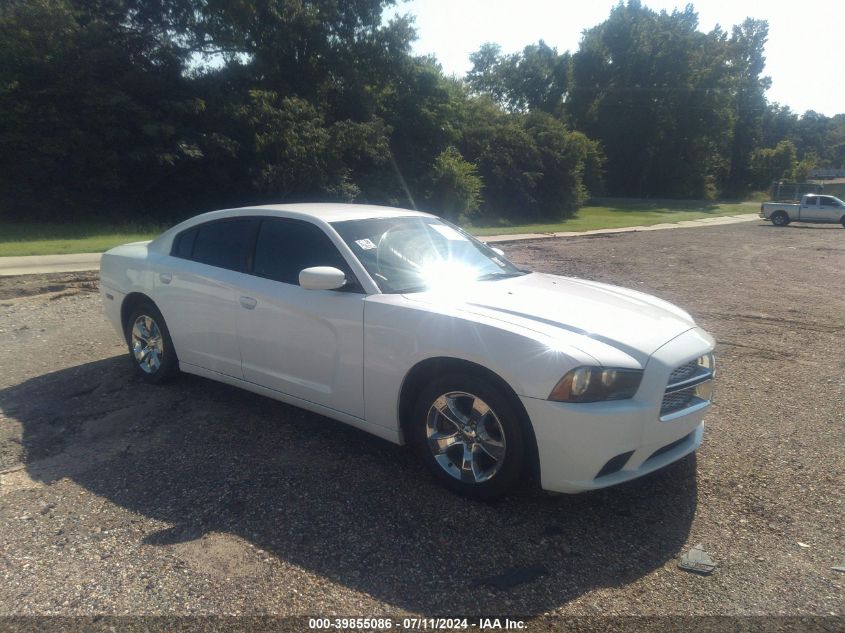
801	169
99	108
779	123
290	148
745	48
425	112
485	75
564	156
535	79
507	158
91	114
648	86
155	109
533	167
455	186
770	164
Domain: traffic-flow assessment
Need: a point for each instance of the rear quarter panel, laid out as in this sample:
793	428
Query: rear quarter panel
124	270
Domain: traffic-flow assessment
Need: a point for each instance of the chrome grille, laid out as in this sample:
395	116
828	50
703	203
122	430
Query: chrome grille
685	384
677	400
683	372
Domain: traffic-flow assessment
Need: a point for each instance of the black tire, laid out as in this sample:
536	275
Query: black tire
507	426
168	364
842	221
780	218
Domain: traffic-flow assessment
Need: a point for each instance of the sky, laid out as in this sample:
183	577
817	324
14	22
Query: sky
805	54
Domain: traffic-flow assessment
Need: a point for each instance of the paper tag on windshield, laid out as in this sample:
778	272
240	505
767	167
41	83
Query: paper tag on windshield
448	232
365	244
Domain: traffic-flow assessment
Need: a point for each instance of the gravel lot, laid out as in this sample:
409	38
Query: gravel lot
196	498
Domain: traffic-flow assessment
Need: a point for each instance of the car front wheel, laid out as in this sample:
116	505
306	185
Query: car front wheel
150	348
470	436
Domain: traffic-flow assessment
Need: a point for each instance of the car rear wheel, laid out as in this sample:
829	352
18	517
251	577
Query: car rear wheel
780	218
150	347
470	436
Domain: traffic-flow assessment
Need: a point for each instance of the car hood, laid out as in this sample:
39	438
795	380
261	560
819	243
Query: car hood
632	322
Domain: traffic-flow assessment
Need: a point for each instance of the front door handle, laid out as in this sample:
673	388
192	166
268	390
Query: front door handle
166	278
248	302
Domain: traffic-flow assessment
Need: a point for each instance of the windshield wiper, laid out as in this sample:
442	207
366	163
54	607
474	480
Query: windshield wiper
501	275
486	277
420	288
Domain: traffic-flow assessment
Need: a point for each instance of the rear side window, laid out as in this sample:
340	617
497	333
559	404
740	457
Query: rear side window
285	247
225	243
183	245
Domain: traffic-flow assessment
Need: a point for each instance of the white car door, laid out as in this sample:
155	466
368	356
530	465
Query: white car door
196	292
829	209
305	343
810	208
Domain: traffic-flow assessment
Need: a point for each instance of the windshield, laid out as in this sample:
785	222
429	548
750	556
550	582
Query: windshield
413	253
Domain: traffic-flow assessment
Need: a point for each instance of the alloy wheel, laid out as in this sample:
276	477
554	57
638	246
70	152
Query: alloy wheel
465	437
147	344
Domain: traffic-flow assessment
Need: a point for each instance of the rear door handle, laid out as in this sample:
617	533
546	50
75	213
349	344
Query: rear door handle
248	302
166	278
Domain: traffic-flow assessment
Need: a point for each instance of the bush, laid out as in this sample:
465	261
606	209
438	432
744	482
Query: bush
533	167
456	186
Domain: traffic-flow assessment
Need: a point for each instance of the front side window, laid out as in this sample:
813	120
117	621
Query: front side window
828	201
413	253
286	247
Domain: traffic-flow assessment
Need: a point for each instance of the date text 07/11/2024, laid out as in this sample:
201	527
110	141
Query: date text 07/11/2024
421	624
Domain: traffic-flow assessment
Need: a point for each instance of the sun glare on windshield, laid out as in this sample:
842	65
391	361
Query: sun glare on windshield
447	274
414	254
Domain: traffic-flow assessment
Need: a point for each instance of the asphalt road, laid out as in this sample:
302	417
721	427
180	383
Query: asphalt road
195	498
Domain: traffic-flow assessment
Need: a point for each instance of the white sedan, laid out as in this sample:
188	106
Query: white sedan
405	326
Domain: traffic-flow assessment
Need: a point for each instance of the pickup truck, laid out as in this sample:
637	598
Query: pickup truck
812	208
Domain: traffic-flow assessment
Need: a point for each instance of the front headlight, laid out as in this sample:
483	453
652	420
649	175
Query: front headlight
593	384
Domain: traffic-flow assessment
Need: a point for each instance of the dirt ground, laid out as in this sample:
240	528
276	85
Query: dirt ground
196	498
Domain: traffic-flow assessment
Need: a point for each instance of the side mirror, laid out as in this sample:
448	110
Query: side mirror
322	278
498	251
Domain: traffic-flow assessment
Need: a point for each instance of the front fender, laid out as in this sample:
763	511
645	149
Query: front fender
399	334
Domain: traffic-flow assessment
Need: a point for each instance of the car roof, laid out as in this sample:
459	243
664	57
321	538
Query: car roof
328	212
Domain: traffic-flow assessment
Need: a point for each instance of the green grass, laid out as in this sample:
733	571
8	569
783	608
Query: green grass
618	213
57	239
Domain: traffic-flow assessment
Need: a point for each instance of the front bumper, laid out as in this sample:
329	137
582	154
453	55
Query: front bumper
576	442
